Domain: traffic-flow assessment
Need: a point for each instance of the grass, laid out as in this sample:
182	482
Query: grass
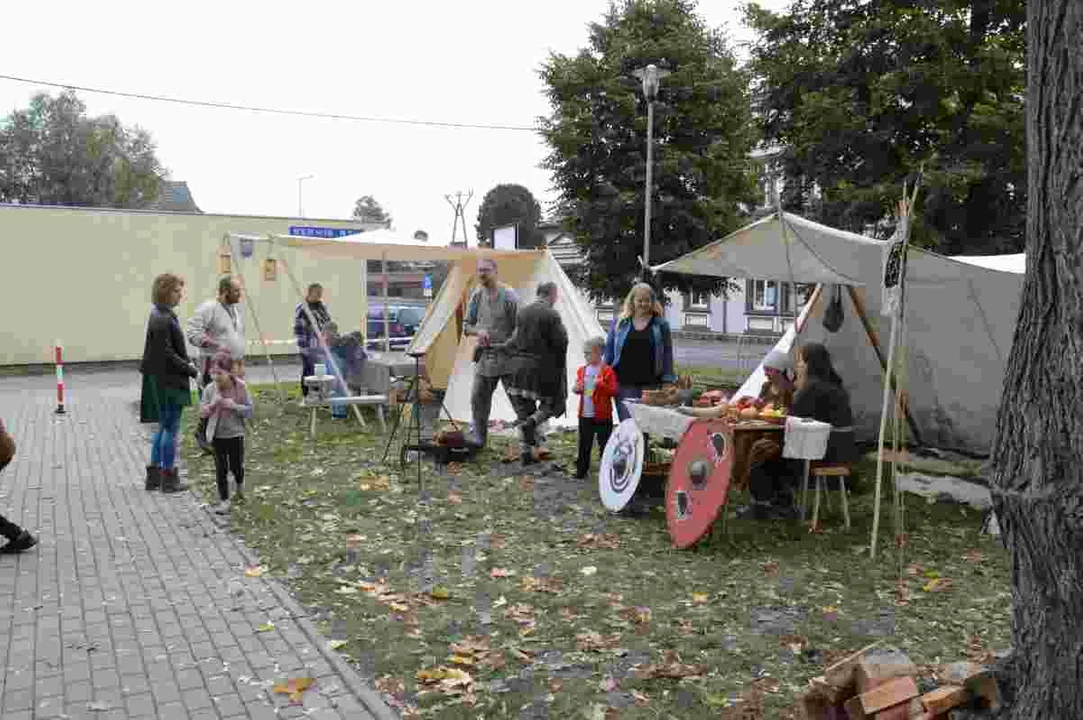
760	606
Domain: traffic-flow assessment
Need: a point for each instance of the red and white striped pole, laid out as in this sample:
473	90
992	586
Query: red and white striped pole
59	380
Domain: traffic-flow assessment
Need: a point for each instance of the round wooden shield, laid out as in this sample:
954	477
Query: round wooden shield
622	464
699	480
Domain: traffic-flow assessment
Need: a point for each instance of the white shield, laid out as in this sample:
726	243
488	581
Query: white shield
622	464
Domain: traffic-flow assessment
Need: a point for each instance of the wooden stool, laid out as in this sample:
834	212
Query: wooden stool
819	472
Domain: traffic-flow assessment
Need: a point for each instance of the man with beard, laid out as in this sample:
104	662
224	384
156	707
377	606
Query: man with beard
490	316
217	326
537	381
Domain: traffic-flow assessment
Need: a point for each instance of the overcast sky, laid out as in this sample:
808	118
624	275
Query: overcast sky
467	62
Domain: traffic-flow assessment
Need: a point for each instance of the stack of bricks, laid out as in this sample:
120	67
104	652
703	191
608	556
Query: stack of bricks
882	684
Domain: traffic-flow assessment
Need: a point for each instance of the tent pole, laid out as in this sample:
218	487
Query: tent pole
387	314
888	386
874	340
255	321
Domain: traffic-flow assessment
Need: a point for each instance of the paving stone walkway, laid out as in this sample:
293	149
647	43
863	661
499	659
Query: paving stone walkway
135	604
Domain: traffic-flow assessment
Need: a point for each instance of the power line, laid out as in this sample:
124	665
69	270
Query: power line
273	111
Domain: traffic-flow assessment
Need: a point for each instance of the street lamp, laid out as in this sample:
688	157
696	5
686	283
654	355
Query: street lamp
650	75
300	206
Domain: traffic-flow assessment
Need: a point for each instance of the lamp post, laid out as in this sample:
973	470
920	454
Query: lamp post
650	75
300	205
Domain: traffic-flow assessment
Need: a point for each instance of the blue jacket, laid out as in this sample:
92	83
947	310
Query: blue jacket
661	346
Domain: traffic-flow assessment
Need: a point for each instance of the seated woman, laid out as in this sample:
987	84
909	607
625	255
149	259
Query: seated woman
820	396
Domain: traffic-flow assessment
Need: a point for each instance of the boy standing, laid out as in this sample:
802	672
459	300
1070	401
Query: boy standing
596	385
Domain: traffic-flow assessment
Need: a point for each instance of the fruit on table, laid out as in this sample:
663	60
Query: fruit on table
749	413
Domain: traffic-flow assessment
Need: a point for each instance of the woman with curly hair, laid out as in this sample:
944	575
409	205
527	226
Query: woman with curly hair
167	373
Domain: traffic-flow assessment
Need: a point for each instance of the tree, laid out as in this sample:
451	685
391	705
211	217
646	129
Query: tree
860	96
53	154
704	179
1037	456
368	210
421	236
509	205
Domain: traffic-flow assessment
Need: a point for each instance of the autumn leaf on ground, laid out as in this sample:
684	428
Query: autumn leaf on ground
699	598
337	644
976	651
974	556
254	570
684	627
555	684
390	685
569	614
295	688
551	585
914	569
940	584
641	700
511	454
454	468
266	627
520	613
606	541
767	684
497	541
613	599
440	592
770	568
796	643
448	681
639	616
501	573
526	483
902	541
670	667
476	650
830	613
902	592
593	641
454	498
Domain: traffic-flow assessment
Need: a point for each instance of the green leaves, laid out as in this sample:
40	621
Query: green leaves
703	133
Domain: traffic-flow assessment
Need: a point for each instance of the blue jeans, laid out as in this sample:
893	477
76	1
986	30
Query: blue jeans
163	445
629	391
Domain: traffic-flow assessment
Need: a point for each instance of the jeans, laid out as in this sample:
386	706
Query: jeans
163	445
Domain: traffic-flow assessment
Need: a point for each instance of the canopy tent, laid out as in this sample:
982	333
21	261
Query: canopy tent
960	318
449	354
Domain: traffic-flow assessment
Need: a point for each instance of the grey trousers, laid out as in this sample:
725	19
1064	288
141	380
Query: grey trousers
481	402
529	408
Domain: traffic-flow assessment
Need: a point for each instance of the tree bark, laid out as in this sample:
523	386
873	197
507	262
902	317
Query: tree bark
1038	453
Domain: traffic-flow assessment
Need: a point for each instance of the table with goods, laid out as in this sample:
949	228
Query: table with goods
716	439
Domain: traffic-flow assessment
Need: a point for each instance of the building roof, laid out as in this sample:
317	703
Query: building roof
174	196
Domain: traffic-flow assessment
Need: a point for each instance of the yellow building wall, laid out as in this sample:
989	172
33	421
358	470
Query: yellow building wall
82	278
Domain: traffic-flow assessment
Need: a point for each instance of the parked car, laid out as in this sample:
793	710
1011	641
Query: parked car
404	321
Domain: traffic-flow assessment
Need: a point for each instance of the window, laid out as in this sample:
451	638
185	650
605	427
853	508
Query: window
765	295
697	301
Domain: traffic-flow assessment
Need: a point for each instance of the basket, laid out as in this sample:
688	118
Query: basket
806	439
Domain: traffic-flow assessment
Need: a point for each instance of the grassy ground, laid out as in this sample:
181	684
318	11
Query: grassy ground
573	597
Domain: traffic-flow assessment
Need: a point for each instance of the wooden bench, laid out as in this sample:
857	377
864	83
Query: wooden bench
318	397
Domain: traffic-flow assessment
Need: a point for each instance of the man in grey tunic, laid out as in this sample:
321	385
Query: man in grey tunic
490	316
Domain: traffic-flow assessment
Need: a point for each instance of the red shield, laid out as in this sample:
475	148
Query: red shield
699	480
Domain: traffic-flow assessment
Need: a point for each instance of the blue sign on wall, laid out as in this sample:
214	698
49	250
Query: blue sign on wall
426	282
325	233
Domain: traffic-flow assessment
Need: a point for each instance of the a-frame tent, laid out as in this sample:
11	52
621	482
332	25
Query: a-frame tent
448	354
959	315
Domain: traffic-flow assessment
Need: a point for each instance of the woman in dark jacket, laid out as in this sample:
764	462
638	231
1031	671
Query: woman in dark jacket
167	372
639	347
820	396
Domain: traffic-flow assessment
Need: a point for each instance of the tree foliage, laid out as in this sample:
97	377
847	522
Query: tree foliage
52	153
509	204
367	209
703	178
861	95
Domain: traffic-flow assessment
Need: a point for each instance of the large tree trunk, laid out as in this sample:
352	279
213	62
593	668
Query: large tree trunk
1038	454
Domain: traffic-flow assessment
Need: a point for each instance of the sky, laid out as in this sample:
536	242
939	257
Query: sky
469	62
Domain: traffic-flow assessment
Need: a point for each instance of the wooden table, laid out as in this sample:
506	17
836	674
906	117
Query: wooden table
668	422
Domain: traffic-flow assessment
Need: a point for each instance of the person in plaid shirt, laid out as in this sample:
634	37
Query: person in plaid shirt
307	341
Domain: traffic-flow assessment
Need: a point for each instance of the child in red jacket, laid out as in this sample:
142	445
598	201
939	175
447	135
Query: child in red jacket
596	385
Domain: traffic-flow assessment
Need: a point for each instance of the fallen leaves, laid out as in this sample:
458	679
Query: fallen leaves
639	616
266	627
976	651
476	650
770	568
551	585
523	615
796	643
569	614
448	681
592	541
379	483
671	667
699	598
593	641
454	498
295	688
254	570
902	592
940	584
526	483
497	573
454	468
973	556
684	627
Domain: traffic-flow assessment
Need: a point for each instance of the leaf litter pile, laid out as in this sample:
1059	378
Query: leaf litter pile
502	592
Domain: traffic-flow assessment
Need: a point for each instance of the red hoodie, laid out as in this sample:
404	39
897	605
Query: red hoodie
605	389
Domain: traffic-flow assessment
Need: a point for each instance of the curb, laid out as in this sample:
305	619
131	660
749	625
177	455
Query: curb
354	683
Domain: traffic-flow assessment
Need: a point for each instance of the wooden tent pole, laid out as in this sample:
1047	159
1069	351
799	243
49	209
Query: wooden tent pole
255	319
874	340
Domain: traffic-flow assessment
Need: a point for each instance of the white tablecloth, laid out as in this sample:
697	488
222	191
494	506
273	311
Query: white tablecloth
659	421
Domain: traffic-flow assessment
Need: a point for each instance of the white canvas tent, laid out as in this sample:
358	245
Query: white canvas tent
960	316
449	354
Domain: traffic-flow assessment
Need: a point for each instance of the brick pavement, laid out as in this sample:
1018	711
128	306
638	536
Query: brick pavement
135	604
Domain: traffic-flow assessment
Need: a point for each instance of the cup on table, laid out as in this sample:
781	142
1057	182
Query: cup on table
321	369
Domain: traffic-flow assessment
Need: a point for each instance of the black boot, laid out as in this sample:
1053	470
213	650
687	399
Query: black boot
154	478
527	457
171	483
754	511
23	541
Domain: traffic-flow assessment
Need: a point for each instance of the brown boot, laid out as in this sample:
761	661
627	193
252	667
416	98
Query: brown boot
171	483
154	478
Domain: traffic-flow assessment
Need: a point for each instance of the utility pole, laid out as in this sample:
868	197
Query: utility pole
459	206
